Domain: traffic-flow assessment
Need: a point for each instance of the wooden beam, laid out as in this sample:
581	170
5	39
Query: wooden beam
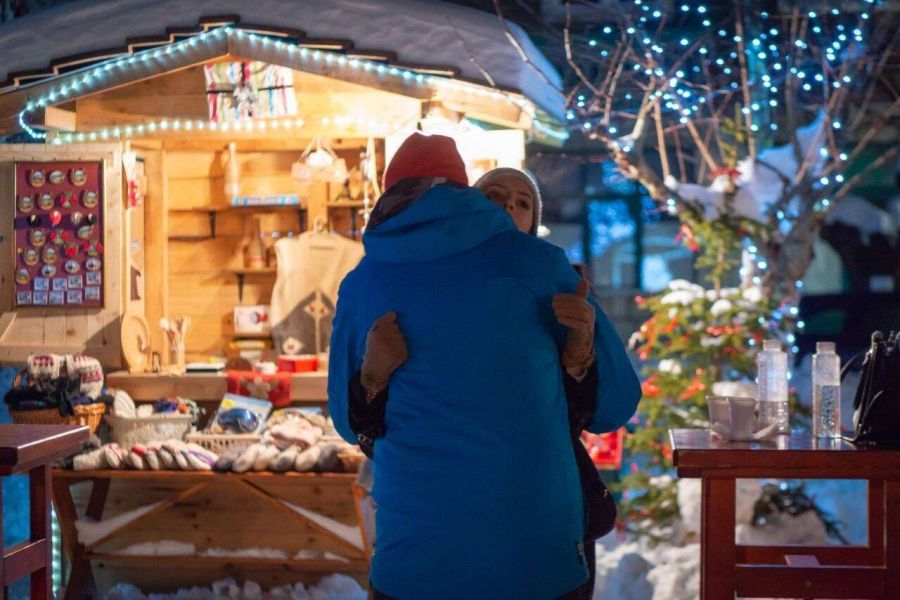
52	118
809	582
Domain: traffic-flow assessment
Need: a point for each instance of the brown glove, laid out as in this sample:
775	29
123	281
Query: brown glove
577	314
385	352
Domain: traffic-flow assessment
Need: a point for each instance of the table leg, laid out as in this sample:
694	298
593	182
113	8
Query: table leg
81	578
39	480
2	572
892	535
717	549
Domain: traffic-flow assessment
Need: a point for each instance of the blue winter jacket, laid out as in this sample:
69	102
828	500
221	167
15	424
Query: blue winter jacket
476	485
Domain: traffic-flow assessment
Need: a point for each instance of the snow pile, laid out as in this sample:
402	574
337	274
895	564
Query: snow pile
173	548
759	184
864	216
639	571
89	532
160	548
332	587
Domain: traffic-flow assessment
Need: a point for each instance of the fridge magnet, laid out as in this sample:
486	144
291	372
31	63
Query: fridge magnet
67	200
22	276
38	237
50	255
55	218
23	297
73	297
36	178
45	201
26	203
93	264
92	293
76	217
93	278
92	219
57	298
48	270
92	248
74	282
42	284
59	284
71	250
40	297
90	199
85	232
57	177
31	257
34	220
72	266
79	176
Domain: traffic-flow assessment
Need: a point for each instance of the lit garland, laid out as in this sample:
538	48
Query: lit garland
91	80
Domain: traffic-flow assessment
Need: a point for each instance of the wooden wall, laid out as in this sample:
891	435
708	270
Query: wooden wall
62	329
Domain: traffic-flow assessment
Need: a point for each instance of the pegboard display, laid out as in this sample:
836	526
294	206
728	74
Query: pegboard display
59	234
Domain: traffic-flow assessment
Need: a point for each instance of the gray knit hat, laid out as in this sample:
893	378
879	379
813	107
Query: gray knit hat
522	175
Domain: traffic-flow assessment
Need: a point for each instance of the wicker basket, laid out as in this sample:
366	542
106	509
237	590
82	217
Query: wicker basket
220	443
85	414
141	430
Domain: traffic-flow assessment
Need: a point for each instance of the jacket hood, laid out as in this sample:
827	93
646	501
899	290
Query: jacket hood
444	221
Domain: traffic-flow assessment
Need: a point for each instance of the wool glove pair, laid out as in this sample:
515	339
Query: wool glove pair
577	314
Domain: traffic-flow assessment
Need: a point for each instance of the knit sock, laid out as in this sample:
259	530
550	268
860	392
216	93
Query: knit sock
245	461
265	457
90	461
135	461
307	459
285	460
152	459
226	461
115	457
328	460
167	460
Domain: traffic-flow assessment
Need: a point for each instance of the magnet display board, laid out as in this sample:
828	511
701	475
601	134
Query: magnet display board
59	234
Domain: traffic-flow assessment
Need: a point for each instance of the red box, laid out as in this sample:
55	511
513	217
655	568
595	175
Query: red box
303	363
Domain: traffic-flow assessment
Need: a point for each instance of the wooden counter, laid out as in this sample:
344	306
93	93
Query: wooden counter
305	387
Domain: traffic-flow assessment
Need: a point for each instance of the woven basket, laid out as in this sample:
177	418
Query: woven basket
220	443
85	414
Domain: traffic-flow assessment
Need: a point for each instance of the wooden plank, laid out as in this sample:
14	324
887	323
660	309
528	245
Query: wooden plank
6	321
755	581
76	327
24	558
717	548
836	555
150	386
891	535
156	226
40	493
194	561
7	235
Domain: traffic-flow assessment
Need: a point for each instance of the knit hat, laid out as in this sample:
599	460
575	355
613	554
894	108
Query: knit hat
528	179
426	156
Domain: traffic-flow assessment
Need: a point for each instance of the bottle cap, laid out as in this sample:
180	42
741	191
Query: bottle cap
824	346
771	345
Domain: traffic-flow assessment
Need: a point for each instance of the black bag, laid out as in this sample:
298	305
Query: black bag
599	504
876	406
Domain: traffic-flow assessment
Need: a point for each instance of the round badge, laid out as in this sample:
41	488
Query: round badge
31	257
90	199
22	276
45	201
57	177
37	178
48	271
50	255
79	176
85	232
76	217
72	266
34	220
93	264
26	203
38	237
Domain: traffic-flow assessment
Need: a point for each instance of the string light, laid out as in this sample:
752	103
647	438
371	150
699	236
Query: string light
92	78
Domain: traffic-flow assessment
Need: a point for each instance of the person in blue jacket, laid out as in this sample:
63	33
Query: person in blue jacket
476	485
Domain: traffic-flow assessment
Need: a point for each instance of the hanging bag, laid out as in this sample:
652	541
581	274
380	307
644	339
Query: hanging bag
876	406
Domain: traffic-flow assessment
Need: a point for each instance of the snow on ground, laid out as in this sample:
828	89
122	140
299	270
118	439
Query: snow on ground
332	587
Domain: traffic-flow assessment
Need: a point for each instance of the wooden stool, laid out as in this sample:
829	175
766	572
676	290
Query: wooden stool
32	449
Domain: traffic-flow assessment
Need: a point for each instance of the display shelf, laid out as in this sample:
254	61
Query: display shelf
241	274
179	562
209	387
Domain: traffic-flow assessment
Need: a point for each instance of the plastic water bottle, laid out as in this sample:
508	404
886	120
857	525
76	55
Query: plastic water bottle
771	365
826	369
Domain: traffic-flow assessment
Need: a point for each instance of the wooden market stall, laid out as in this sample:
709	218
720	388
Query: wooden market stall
187	155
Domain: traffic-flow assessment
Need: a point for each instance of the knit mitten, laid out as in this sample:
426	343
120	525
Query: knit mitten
298	432
285	460
135	461
245	461
265	457
166	459
385	351
226	461
90	461
115	456
175	448
328	460
307	459
199	457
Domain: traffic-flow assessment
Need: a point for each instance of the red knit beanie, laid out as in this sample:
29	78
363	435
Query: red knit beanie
426	156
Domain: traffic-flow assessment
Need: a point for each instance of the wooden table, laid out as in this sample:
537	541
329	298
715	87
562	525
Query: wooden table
32	449
210	510
726	569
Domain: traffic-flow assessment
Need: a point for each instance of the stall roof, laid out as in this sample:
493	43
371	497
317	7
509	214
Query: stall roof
466	43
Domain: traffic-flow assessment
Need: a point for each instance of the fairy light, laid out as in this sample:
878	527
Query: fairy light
92	79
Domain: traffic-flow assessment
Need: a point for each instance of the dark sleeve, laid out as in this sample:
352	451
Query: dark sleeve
366	418
581	398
